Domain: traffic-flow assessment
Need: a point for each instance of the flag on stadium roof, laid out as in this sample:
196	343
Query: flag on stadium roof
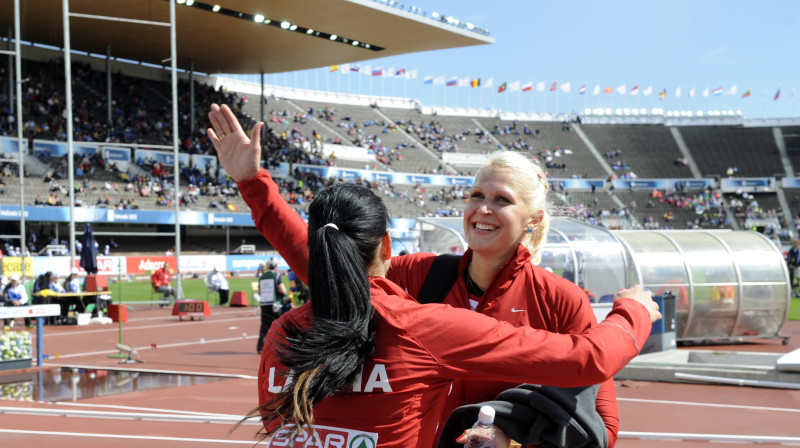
463	82
439	80
366	70
502	87
411	74
428	80
354	68
377	72
635	90
566	87
344	69
717	91
648	91
678	92
732	90
452	82
596	90
334	68
475	82
622	89
662	94
389	72
706	91
527	87
402	71
513	87
540	86
746	93
582	90
777	95
608	89
553	86
691	93
489	83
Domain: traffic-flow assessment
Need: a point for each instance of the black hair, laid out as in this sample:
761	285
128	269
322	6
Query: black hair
326	357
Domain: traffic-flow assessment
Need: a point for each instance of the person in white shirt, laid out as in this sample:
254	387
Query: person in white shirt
15	295
217	282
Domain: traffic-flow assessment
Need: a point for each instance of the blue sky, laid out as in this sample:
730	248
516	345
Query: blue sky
660	44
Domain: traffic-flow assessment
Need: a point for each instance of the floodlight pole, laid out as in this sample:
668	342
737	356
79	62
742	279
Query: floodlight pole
18	78
175	145
70	149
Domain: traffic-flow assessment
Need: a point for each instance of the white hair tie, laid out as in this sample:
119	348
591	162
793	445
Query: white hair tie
330	224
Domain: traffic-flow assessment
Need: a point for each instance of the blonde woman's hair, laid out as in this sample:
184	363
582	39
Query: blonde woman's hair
530	183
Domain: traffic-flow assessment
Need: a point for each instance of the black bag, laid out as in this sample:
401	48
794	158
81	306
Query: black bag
551	417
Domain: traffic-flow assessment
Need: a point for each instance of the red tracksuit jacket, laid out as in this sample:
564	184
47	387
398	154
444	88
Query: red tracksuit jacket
400	395
522	294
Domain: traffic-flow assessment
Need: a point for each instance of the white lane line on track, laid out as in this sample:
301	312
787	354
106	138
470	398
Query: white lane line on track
139	408
713	405
127	415
126	436
176	344
115	328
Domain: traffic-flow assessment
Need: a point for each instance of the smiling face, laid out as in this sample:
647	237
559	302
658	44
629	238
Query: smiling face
495	218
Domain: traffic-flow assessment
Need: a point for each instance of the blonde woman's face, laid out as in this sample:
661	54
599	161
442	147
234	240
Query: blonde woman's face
495	217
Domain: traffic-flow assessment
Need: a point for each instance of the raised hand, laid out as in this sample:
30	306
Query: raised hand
239	155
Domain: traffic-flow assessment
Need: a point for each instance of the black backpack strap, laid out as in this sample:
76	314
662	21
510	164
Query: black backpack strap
441	278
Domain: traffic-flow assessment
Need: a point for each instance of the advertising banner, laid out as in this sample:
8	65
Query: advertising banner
239	263
146	265
202	264
13	265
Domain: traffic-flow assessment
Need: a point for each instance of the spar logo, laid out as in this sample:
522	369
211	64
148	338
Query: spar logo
325	437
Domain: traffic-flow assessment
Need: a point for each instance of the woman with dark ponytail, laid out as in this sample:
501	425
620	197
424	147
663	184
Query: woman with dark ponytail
364	364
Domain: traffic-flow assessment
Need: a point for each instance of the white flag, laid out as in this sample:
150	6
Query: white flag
732	90
691	93
389	73
596	90
411	74
648	91
566	87
705	91
678	92
438	81
463	82
489	83
513	87
540	86
366	70
622	89
344	69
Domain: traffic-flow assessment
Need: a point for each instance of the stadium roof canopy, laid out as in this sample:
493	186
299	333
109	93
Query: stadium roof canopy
229	40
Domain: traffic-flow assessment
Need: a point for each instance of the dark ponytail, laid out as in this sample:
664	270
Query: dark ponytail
345	227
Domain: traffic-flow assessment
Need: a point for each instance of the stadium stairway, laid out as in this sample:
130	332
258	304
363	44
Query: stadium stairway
602	162
421	144
497	142
685	151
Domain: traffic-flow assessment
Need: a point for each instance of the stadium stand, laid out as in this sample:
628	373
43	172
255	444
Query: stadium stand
733	151
402	140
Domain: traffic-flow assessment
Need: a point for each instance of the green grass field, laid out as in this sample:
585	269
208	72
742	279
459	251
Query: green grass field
140	291
794	309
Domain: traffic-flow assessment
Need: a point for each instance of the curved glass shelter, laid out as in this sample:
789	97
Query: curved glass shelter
727	284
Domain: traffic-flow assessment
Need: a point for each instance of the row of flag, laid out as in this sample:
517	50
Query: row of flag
518	86
377	71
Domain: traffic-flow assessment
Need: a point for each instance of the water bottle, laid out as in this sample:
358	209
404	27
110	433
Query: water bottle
482	434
